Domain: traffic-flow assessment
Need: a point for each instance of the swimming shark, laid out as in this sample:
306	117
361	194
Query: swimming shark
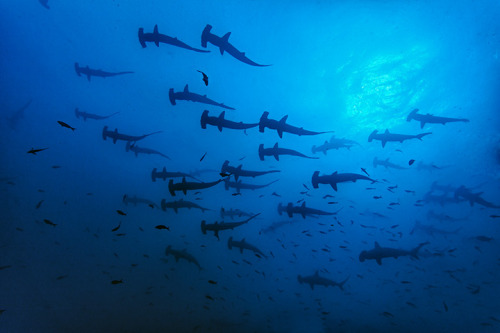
275	225
243	245
277	151
164	174
95	72
238	172
157	38
334	143
316	280
281	126
431	230
86	115
441	199
443	188
177	204
378	253
186	95
219	226
472	198
385	163
233	212
223	44
430	119
124	137
221	123
182	254
18	115
392	137
135	200
336	177
304	211
244	186
141	150
185	186
441	217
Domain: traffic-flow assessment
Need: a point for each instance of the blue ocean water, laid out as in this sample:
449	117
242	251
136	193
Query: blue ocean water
411	246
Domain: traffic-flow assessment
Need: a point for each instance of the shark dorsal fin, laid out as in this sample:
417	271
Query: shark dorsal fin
275	145
155	30
334	173
304	204
186	89
221	116
243	240
239	167
164	169
184	180
377	246
386	131
226	37
316	273
283	120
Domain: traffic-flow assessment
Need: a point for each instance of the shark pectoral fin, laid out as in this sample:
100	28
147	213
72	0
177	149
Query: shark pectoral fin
225	38
221	49
241	250
280	133
334	186
276	156
176	210
312	286
422	124
219	127
379	261
303	215
383	143
184	191
88	77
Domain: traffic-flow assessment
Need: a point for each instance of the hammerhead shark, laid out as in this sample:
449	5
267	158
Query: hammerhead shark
140	150
176	205
465	193
430	119
238	172
281	126
334	143
182	254
223	44
219	226
95	72
186	95
18	115
185	186
124	137
244	186
335	178
385	163
232	213
317	280
431	230
276	152
86	115
304	211
221	123
243	245
135	200
157	38
378	253
164	174
392	137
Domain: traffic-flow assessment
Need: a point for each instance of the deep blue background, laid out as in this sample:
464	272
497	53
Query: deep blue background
345	66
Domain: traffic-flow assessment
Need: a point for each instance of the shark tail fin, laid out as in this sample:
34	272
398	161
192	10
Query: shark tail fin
414	252
341	284
412	115
421	135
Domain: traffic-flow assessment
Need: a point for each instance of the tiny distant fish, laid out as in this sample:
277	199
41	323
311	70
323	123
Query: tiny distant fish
394	226
49	222
39	204
370	188
117	281
161	226
303	192
196	193
332	202
276	194
445	306
224	174
63	124
56	167
258	255
343	246
486	324
399	150
241	159
120	234
494	216
2	311
152	206
484	238
328	196
205	77
34	151
388	314
495	319
61	277
5	267
201	159
410	162
89	194
394	204
41	191
364	170
299	201
235	194
376	197
405	282
307	188
209	297
260	196
410	191
120	212
411	304
212	282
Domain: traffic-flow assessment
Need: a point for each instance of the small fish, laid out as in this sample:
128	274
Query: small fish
405	282
394	204
376	197
152	206
116	228
117	281
494	216
224	174
411	304
89	194
445	306
205	77
61	277
399	150
410	191
388	314
63	124
410	162
486	324
332	202
394	226
5	267
34	151
120	212
201	159
161	226
212	282
364	170
276	194
209	297
39	204
307	188
56	167
122	234
235	194
483	238
328	196
49	222
2	311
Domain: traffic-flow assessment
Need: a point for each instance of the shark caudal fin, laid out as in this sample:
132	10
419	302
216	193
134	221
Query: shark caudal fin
205	35
341	284
171	96
261	151
414	252
230	243
171	187
412	115
204	118
263	121
421	135
203	227
314	179
372	136
141	37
